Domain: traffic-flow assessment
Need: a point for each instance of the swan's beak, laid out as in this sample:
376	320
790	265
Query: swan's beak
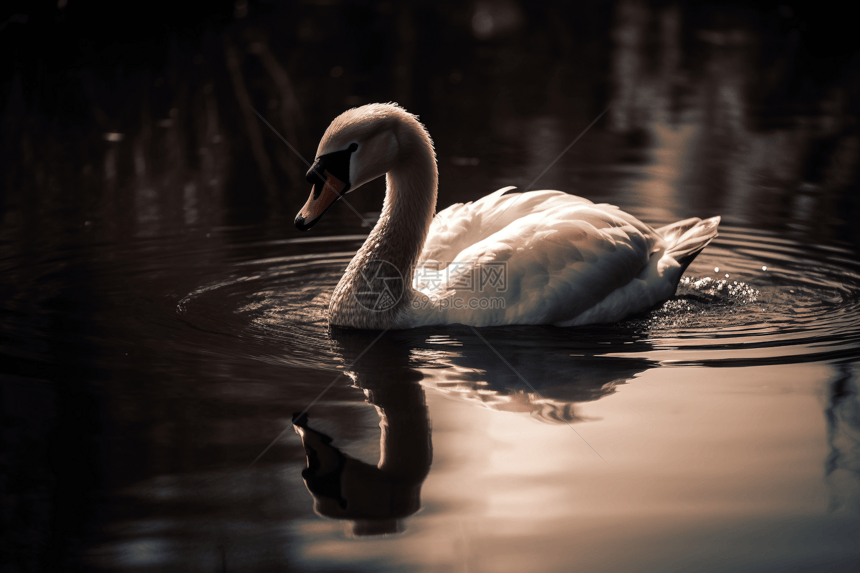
329	176
321	198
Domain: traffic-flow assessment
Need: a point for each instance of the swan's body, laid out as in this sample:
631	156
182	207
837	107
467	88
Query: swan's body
541	257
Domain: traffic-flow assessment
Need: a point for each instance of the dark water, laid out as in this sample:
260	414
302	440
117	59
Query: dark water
162	321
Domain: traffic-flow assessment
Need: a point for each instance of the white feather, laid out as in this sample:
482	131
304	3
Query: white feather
567	260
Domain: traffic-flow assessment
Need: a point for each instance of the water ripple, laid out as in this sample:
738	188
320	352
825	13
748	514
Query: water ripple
750	299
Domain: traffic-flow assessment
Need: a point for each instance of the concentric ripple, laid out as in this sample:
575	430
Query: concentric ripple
769	300
750	298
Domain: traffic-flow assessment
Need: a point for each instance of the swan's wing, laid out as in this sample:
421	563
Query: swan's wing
463	224
556	264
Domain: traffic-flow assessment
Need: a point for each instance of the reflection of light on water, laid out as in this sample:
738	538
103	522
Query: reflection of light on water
699	476
741	293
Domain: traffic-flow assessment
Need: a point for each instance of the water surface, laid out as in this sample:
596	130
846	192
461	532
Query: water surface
162	321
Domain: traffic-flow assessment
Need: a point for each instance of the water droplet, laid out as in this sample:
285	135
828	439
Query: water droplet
764	268
716	269
727	275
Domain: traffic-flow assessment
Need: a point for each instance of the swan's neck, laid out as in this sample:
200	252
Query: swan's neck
397	239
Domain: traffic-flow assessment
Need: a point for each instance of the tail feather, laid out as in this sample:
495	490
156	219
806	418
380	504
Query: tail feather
687	238
676	229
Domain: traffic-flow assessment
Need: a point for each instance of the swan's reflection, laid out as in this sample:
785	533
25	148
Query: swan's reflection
545	372
375	498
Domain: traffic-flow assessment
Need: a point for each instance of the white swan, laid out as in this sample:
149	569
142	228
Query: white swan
541	257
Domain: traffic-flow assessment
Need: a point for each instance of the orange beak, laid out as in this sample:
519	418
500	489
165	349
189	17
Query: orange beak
319	202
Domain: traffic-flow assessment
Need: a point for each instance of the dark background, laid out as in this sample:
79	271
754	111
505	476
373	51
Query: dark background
177	81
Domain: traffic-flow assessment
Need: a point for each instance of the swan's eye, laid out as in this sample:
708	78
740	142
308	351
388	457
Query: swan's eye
352	147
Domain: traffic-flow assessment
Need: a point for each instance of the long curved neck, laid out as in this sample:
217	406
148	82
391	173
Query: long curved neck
407	212
397	238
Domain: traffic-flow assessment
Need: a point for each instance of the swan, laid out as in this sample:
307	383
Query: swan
539	257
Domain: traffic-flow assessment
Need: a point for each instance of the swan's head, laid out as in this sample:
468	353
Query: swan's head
360	145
